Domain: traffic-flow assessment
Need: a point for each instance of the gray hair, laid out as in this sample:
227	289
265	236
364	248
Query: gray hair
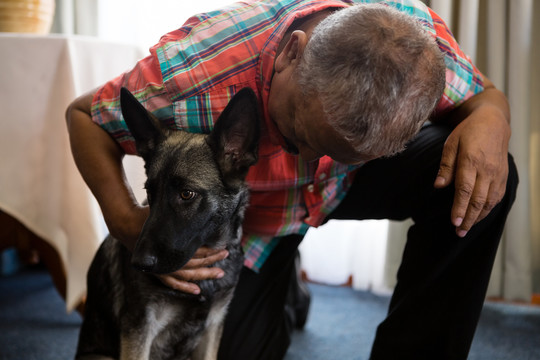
378	74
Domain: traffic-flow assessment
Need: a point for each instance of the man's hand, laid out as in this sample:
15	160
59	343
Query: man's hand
196	269
475	157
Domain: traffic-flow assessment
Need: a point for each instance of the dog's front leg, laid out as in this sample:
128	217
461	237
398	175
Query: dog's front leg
208	346
139	334
135	347
136	335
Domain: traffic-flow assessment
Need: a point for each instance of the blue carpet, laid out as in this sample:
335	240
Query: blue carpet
343	322
341	325
33	320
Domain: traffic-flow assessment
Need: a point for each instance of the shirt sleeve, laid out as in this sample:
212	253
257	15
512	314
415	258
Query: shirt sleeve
146	84
463	79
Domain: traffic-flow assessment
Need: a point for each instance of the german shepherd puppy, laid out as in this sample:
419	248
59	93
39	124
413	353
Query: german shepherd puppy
197	196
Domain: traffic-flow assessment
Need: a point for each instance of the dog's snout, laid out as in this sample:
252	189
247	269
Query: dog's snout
145	263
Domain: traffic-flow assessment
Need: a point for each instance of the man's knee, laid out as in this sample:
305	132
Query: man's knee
512	181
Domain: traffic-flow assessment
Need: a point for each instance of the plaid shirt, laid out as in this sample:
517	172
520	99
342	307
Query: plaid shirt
192	73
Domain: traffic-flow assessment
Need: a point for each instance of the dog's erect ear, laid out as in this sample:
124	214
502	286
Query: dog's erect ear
143	125
235	137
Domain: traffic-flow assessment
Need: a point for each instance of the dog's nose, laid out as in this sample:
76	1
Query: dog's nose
145	263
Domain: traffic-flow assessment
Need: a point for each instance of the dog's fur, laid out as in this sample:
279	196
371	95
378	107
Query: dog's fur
197	196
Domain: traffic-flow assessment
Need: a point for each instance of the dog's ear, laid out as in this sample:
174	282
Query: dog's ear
144	126
235	137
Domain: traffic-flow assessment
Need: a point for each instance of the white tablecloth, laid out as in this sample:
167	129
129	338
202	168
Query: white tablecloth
39	183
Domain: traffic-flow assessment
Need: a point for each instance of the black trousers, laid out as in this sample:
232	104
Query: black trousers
442	280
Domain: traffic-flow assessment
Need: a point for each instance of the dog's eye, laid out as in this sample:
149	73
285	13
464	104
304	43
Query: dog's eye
187	194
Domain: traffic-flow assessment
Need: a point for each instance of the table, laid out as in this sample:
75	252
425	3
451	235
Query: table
40	185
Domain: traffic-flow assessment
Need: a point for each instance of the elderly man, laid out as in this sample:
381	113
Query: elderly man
342	87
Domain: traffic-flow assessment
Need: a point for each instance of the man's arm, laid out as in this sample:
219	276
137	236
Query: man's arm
99	160
475	156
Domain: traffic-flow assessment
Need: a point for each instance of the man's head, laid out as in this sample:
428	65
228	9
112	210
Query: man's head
358	86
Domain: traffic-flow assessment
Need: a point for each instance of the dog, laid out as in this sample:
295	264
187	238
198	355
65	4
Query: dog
197	195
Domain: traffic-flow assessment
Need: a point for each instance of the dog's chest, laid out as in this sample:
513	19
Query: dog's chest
159	316
218	310
180	324
161	322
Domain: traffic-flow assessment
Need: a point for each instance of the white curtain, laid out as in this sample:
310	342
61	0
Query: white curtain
137	22
76	17
502	36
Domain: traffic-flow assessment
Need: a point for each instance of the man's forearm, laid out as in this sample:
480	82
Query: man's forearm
491	100
99	160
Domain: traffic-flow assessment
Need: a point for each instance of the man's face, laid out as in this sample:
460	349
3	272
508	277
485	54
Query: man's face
303	124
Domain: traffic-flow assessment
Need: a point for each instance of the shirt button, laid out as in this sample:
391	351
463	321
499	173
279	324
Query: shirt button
310	188
322	176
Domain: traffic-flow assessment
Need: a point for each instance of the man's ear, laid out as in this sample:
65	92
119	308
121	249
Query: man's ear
235	137
292	52
143	125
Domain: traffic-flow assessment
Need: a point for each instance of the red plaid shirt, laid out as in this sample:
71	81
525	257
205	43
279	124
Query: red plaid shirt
192	73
